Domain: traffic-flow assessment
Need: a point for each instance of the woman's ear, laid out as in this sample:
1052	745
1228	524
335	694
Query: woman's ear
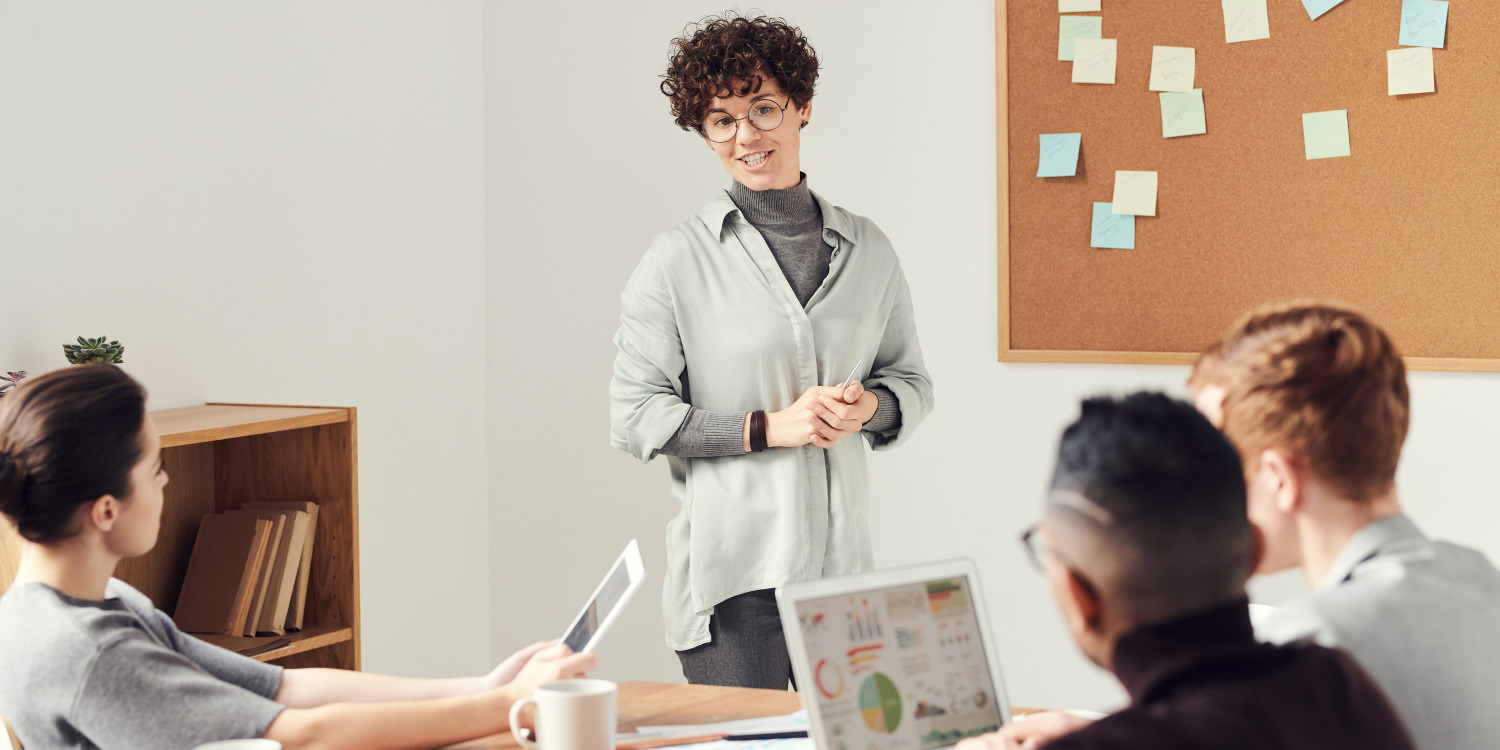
103	513
805	111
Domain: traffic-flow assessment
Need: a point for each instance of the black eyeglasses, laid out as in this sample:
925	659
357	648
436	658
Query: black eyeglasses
1031	540
765	114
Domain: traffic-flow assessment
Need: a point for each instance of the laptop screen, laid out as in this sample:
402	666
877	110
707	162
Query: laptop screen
899	668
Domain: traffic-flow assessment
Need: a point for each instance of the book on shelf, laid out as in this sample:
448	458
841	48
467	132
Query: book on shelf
263	575
297	604
283	573
222	574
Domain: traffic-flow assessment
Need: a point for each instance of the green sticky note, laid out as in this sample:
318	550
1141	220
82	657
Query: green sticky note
1326	134
1076	27
1182	113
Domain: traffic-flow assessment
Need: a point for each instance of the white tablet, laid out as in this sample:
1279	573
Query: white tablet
604	607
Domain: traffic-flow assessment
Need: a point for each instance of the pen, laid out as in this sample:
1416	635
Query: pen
850	379
768	735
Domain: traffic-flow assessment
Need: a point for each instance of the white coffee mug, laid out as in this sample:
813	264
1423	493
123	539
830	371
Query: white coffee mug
570	715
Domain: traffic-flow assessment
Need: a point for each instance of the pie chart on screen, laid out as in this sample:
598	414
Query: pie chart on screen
880	704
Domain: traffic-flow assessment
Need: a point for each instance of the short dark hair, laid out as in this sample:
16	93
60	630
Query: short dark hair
67	438
1170	500
732	55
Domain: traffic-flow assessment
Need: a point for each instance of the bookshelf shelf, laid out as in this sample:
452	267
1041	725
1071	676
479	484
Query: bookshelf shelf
220	456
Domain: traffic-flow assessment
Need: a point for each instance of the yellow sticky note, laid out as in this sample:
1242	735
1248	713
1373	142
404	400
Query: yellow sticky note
1409	71
1077	6
1172	68
1094	60
1135	193
1245	20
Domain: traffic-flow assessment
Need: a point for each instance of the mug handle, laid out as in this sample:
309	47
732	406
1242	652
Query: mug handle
515	717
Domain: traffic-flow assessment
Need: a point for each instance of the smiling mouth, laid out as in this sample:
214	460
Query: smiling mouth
755	160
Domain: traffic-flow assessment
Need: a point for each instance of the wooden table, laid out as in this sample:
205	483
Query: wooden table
656	703
653	703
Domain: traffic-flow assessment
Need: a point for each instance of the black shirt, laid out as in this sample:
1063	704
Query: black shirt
1203	681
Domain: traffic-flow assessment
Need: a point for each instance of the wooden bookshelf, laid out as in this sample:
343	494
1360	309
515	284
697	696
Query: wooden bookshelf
220	456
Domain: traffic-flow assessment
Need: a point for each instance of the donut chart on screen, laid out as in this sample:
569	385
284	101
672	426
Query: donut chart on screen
880	704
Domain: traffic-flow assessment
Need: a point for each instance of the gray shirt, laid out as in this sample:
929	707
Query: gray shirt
708	320
118	674
1420	616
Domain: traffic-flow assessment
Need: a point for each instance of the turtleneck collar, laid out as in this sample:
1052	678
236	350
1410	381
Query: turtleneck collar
775	207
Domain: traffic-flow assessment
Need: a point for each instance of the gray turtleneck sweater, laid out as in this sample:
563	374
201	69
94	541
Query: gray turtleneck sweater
792	225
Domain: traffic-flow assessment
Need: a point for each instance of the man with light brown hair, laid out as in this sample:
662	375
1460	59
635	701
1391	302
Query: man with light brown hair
1314	397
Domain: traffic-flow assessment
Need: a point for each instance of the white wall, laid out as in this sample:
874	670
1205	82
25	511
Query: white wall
275	202
428	211
585	166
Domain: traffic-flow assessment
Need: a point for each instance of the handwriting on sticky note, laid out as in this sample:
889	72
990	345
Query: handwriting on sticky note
1111	230
1094	60
1077	6
1182	113
1135	193
1326	134
1070	28
1059	155
1172	68
1409	71
1245	20
1424	23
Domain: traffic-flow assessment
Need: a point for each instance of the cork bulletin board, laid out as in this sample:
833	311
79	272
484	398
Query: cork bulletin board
1407	227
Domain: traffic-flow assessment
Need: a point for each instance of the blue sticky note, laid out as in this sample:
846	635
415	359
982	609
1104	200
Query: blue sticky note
1059	155
1111	230
1317	8
1424	23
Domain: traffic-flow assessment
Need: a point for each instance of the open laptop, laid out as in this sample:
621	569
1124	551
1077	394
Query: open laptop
898	659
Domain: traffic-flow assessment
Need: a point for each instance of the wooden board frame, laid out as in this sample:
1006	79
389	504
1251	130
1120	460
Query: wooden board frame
1010	354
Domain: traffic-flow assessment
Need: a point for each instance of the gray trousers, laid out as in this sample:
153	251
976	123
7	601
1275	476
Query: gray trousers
746	646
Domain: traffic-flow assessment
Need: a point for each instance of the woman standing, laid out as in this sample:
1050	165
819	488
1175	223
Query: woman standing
737	332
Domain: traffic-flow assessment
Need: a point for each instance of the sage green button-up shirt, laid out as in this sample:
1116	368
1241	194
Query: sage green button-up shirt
709	320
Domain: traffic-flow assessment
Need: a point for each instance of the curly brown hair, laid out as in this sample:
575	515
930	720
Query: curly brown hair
733	55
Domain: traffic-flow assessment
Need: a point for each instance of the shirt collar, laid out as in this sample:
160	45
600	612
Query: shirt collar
1152	660
1370	541
715	215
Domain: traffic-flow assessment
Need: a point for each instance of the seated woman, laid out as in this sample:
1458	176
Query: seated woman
88	662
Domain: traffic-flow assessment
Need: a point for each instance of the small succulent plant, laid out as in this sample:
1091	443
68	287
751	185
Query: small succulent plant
11	380
95	350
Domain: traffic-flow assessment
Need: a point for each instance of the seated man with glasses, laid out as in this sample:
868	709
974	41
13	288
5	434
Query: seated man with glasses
1146	548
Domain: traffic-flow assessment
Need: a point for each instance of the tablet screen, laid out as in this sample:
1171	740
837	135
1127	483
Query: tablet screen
598	610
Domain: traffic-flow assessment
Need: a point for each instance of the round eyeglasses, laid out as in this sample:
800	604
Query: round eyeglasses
765	114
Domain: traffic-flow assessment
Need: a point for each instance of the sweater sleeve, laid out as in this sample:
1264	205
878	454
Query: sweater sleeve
706	434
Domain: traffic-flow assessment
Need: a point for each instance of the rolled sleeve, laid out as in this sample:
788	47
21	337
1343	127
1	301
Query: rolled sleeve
646	407
900	370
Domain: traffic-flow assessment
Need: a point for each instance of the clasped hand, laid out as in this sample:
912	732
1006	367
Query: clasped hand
822	416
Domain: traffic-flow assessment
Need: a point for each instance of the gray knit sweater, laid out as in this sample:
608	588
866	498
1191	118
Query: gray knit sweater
792	225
